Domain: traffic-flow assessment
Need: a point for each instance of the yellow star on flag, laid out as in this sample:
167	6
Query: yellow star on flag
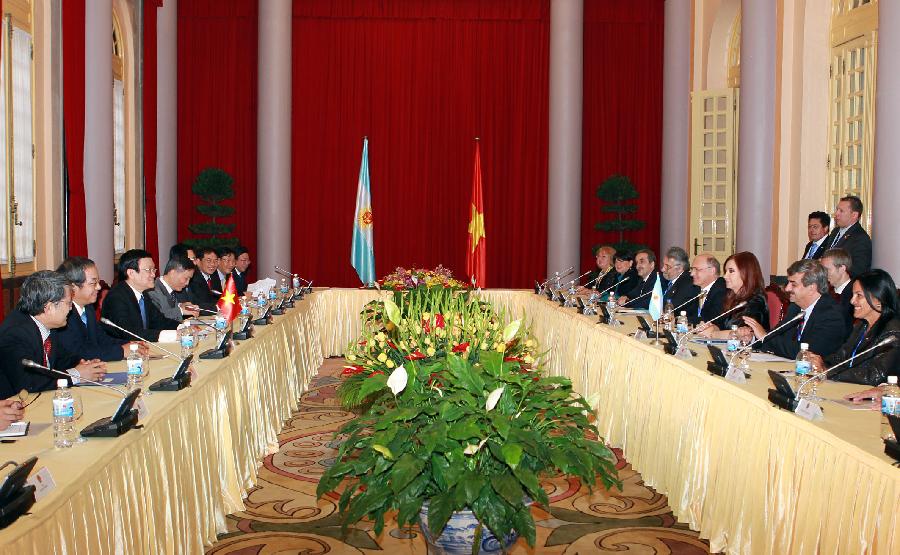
228	297
476	227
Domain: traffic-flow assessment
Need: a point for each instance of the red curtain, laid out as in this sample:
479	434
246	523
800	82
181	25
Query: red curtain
421	79
623	74
73	120
151	236
217	106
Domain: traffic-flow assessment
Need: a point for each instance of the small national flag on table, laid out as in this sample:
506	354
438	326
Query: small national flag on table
229	304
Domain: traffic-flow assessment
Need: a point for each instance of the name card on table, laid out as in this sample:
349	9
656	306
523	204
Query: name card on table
43	483
141	406
735	374
809	410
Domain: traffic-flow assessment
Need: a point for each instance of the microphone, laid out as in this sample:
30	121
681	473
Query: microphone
139	338
284	273
629	301
763	338
33	364
557	275
219	293
613	286
574	281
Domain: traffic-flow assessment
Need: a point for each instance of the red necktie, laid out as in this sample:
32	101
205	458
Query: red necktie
47	347
209	283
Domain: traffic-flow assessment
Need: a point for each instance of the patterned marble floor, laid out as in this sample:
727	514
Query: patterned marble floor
284	517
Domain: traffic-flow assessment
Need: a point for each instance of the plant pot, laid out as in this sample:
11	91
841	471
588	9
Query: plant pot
459	535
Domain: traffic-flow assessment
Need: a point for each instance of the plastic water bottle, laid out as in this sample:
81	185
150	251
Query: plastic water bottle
734	342
284	287
890	405
611	307
273	296
63	415
681	325
244	316
667	316
220	325
295	282
803	366
186	336
135	368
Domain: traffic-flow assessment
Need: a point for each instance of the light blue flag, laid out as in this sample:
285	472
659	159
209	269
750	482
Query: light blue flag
362	254
656	299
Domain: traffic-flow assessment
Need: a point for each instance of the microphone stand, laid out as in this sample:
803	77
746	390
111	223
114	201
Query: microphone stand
180	380
777	329
33	364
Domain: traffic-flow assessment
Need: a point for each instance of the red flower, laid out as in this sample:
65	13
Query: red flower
439	320
391	345
512	359
461	348
415	356
362	343
352	370
376	372
426	326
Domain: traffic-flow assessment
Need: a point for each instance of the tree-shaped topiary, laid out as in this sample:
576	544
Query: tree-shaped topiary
617	192
213	185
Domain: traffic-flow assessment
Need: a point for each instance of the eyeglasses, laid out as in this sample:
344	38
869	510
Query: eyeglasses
151	271
693	269
26	398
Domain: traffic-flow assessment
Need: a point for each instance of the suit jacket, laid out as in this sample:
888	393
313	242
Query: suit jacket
643	286
843	301
167	305
240	282
200	293
121	307
873	367
757	308
819	251
20	338
824	330
679	292
88	341
856	242
712	304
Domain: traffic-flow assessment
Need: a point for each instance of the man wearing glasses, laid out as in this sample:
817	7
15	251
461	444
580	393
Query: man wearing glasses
44	304
127	304
705	272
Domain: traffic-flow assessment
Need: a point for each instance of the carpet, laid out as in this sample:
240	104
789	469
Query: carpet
284	517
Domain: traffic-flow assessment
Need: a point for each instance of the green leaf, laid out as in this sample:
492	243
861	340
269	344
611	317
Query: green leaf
406	413
439	468
384	451
392	311
439	510
530	480
491	510
372	384
432	435
501	424
492	362
471	381
450	412
512	454
472	484
465	429
508	487
523	522
405	470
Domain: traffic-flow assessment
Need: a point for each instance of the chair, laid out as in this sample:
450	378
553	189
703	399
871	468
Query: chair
778	301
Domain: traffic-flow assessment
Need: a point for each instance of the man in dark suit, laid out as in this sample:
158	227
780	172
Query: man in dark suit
205	281
128	305
44	304
705	273
241	264
849	235
82	335
817	230
822	325
169	293
225	266
837	263
680	289
638	296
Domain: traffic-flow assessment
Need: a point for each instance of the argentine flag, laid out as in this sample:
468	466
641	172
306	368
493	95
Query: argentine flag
656	299
362	253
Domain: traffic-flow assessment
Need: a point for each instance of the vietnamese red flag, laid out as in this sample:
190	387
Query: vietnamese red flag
229	304
476	250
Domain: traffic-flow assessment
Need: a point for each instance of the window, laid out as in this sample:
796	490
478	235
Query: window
854	39
120	212
17	238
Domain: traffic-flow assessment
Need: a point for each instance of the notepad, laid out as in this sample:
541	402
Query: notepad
16	429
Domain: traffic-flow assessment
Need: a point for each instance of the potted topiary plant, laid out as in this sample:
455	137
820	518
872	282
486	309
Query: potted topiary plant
617	191
213	185
460	435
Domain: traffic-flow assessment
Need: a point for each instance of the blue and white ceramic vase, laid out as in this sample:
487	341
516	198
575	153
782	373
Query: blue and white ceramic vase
459	534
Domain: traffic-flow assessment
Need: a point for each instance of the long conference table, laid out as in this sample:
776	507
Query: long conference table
749	477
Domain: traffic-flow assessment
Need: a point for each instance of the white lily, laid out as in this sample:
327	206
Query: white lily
474	448
397	380
493	399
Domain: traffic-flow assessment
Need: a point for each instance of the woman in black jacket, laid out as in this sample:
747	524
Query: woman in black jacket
745	284
875	305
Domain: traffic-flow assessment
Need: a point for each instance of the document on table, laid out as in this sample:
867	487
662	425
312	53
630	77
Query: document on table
16	429
853	406
767	357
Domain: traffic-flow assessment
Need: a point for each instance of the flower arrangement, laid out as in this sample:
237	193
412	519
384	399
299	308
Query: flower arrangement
430	323
413	278
459	415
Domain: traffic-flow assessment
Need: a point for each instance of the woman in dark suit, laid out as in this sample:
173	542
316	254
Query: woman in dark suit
875	305
744	281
